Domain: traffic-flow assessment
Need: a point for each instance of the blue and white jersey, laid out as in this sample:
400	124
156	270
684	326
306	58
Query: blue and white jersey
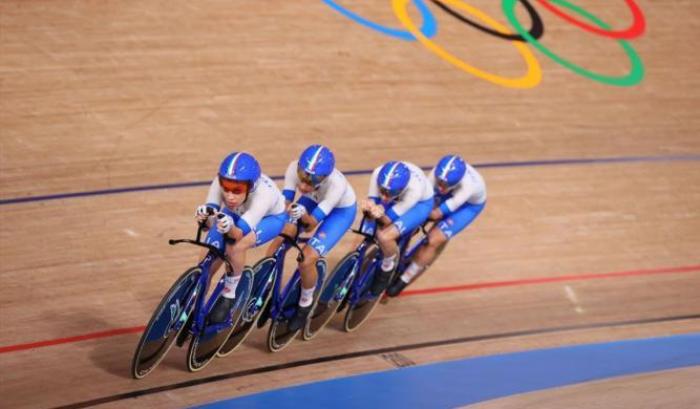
417	190
471	189
333	192
266	199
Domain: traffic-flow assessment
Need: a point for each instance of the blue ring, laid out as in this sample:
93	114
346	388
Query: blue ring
428	29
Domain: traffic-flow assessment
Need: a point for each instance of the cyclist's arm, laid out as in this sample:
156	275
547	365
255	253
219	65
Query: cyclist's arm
330	200
290	183
373	191
407	201
460	197
431	178
258	209
214	195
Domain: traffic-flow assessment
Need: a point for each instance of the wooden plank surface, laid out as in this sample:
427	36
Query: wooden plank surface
97	95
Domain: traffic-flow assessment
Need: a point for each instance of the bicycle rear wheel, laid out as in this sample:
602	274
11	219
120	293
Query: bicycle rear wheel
263	283
331	296
208	341
166	323
279	335
359	311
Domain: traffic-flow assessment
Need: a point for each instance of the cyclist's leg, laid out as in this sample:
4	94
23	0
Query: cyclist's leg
327	235
388	237
217	239
290	229
268	228
438	238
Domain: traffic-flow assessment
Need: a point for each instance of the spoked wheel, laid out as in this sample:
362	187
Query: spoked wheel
331	296
263	283
279	335
358	312
208	340
166	323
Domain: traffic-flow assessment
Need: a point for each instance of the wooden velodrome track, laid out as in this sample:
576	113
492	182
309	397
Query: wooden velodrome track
108	95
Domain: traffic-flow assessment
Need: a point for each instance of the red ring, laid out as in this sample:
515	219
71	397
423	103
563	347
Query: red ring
635	30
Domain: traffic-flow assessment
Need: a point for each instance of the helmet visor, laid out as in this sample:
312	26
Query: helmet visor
390	193
443	186
233	186
309	179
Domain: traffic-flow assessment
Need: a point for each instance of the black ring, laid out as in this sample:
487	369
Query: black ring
536	31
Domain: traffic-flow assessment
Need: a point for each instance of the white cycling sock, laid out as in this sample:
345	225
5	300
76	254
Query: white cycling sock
307	296
410	273
230	284
388	263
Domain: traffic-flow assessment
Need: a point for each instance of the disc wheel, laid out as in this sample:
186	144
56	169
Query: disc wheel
166	323
279	335
263	282
357	313
207	342
333	293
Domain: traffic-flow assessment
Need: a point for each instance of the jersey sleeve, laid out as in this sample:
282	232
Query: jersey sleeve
258	209
431	178
405	203
290	182
330	200
214	195
373	192
460	197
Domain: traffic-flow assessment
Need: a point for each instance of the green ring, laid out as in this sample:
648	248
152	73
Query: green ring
635	75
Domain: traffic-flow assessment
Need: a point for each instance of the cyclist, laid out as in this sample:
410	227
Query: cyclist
250	212
327	205
460	196
400	198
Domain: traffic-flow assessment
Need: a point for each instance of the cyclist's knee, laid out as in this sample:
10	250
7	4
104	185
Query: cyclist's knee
245	243
387	235
290	229
310	257
437	238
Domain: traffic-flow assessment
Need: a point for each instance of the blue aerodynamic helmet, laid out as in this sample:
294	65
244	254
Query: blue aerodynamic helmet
240	167
315	164
450	171
393	178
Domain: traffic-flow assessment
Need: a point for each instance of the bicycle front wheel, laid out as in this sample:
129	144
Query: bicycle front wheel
166	323
331	296
359	310
207	341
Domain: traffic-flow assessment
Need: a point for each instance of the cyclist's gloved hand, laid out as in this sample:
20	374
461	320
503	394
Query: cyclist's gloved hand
296	211
377	212
202	213
224	223
366	205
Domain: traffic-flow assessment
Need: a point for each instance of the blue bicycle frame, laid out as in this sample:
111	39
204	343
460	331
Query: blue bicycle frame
279	294
199	325
356	293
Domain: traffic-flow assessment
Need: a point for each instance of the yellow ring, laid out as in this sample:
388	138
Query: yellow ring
529	80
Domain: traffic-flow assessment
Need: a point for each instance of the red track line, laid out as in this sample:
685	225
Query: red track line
465	287
526	281
67	340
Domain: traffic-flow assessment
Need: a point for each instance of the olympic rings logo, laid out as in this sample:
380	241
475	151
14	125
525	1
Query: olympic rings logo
520	38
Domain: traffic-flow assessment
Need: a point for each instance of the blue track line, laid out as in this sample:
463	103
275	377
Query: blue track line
552	162
467	381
